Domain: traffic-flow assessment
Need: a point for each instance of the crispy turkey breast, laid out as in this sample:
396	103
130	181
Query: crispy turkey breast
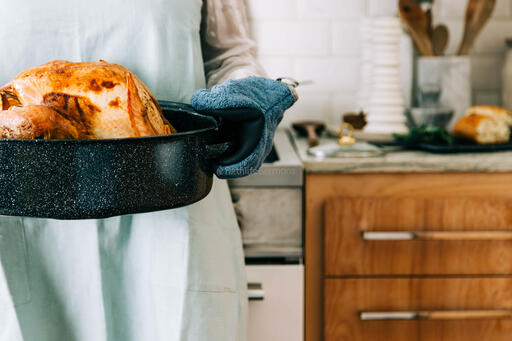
92	100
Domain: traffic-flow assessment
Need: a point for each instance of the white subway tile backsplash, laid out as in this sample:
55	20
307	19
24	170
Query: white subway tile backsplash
328	74
457	9
378	8
311	106
492	38
271	9
331	8
342	102
279	38
486	73
319	40
503	9
450	9
278	67
346	38
487	97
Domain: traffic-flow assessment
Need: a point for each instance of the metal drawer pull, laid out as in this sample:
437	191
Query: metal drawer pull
255	292
435	315
437	235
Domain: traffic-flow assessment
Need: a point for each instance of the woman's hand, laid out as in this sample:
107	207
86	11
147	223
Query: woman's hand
254	106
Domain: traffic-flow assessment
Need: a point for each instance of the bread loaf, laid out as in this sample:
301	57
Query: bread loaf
485	124
482	129
491	110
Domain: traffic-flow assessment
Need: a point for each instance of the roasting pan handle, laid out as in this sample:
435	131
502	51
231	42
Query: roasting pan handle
225	139
217	150
239	132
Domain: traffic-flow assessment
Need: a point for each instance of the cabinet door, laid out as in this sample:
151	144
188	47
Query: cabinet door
276	302
402	236
426	309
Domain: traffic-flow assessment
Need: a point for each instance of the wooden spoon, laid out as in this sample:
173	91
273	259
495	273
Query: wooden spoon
440	37
478	13
428	13
311	129
417	22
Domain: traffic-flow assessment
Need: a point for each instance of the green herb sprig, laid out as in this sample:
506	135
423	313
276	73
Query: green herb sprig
425	134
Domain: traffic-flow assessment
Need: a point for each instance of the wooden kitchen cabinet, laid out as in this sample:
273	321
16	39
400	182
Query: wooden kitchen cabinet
390	236
479	308
458	262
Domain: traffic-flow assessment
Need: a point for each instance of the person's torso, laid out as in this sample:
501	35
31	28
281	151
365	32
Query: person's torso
157	39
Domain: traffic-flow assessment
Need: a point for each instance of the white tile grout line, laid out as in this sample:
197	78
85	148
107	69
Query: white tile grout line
330	38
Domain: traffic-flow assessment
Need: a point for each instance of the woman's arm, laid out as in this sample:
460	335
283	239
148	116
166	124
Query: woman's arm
254	105
228	51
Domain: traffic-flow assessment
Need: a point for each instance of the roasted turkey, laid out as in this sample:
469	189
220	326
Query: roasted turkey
64	100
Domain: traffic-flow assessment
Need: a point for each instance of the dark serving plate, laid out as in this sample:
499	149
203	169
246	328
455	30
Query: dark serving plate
461	147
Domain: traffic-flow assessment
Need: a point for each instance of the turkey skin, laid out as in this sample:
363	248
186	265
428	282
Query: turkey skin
90	100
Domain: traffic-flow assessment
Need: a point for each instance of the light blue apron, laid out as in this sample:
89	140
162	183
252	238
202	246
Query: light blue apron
170	275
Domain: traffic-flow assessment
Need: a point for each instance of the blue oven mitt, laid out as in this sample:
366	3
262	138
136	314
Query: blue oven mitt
253	107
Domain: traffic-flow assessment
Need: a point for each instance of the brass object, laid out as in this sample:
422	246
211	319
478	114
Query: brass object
345	133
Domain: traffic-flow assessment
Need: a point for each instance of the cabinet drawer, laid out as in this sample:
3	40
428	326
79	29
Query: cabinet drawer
426	309
416	236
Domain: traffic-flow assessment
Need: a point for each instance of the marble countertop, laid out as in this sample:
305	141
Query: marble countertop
404	161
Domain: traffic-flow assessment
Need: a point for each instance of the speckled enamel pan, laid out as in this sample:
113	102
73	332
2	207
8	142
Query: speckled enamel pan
81	179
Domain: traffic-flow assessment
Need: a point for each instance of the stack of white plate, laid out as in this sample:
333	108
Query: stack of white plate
366	63
380	92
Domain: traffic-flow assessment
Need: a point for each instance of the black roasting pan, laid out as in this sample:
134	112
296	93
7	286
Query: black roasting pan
81	179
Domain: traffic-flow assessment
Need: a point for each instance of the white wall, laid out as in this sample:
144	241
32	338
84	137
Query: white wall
319	40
